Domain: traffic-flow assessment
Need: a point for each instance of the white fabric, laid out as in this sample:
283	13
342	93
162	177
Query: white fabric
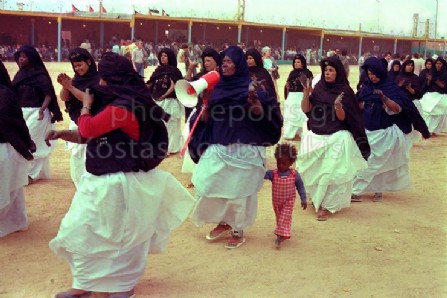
388	163
114	220
39	168
14	175
77	157
294	117
434	106
182	67
327	164
188	166
173	107
227	180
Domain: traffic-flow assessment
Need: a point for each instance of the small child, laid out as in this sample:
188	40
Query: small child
284	182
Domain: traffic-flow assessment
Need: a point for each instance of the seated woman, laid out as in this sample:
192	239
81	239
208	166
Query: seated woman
331	152
123	207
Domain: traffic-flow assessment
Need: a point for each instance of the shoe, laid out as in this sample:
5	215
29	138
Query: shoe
219	231
68	295
235	242
323	215
190	185
356	198
378	197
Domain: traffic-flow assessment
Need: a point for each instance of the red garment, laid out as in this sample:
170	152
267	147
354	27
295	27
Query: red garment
283	197
109	119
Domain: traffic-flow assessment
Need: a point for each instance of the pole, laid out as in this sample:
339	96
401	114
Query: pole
436	19
283	43
59	38
189	31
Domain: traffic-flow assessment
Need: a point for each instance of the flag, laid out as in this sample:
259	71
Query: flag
151	11
74	8
163	12
103	10
90	8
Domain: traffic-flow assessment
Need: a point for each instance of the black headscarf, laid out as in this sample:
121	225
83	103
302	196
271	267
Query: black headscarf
258	72
232	89
378	118
325	93
126	88
13	128
89	80
294	75
409	78
37	77
208	52
440	75
392	74
164	73
424	73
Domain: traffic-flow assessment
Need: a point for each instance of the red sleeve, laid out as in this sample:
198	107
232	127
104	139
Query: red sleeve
109	119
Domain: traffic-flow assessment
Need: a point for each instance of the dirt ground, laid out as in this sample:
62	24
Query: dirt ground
396	248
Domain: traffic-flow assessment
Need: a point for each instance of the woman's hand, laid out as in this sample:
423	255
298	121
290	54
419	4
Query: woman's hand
65	81
52	135
87	99
338	105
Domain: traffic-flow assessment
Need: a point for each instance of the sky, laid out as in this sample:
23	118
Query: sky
385	16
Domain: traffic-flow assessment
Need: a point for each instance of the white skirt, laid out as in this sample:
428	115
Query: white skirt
388	163
327	165
434	106
114	221
174	125
227	180
188	166
77	157
14	175
294	117
39	167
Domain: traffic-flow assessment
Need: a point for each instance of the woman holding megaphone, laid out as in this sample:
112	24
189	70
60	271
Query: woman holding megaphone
230	142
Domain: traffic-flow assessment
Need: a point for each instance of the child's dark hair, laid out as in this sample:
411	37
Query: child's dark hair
286	150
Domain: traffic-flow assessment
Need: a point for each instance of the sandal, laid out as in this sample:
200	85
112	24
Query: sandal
323	215
219	231
378	197
356	198
190	185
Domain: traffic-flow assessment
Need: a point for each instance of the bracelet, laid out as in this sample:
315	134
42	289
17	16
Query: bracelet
338	107
87	108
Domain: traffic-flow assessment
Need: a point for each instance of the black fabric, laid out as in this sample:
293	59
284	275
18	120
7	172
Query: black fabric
438	75
376	117
392	74
36	76
160	80
116	151
13	128
406	79
294	76
322	118
90	80
259	73
230	120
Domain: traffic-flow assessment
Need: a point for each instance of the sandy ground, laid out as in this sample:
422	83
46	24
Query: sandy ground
396	248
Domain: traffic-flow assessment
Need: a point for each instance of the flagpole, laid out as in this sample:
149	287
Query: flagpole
100	8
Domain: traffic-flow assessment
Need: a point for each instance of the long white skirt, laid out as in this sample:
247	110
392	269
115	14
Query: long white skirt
328	164
114	221
39	168
188	166
77	157
14	175
174	125
294	117
227	180
388	163
434	106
